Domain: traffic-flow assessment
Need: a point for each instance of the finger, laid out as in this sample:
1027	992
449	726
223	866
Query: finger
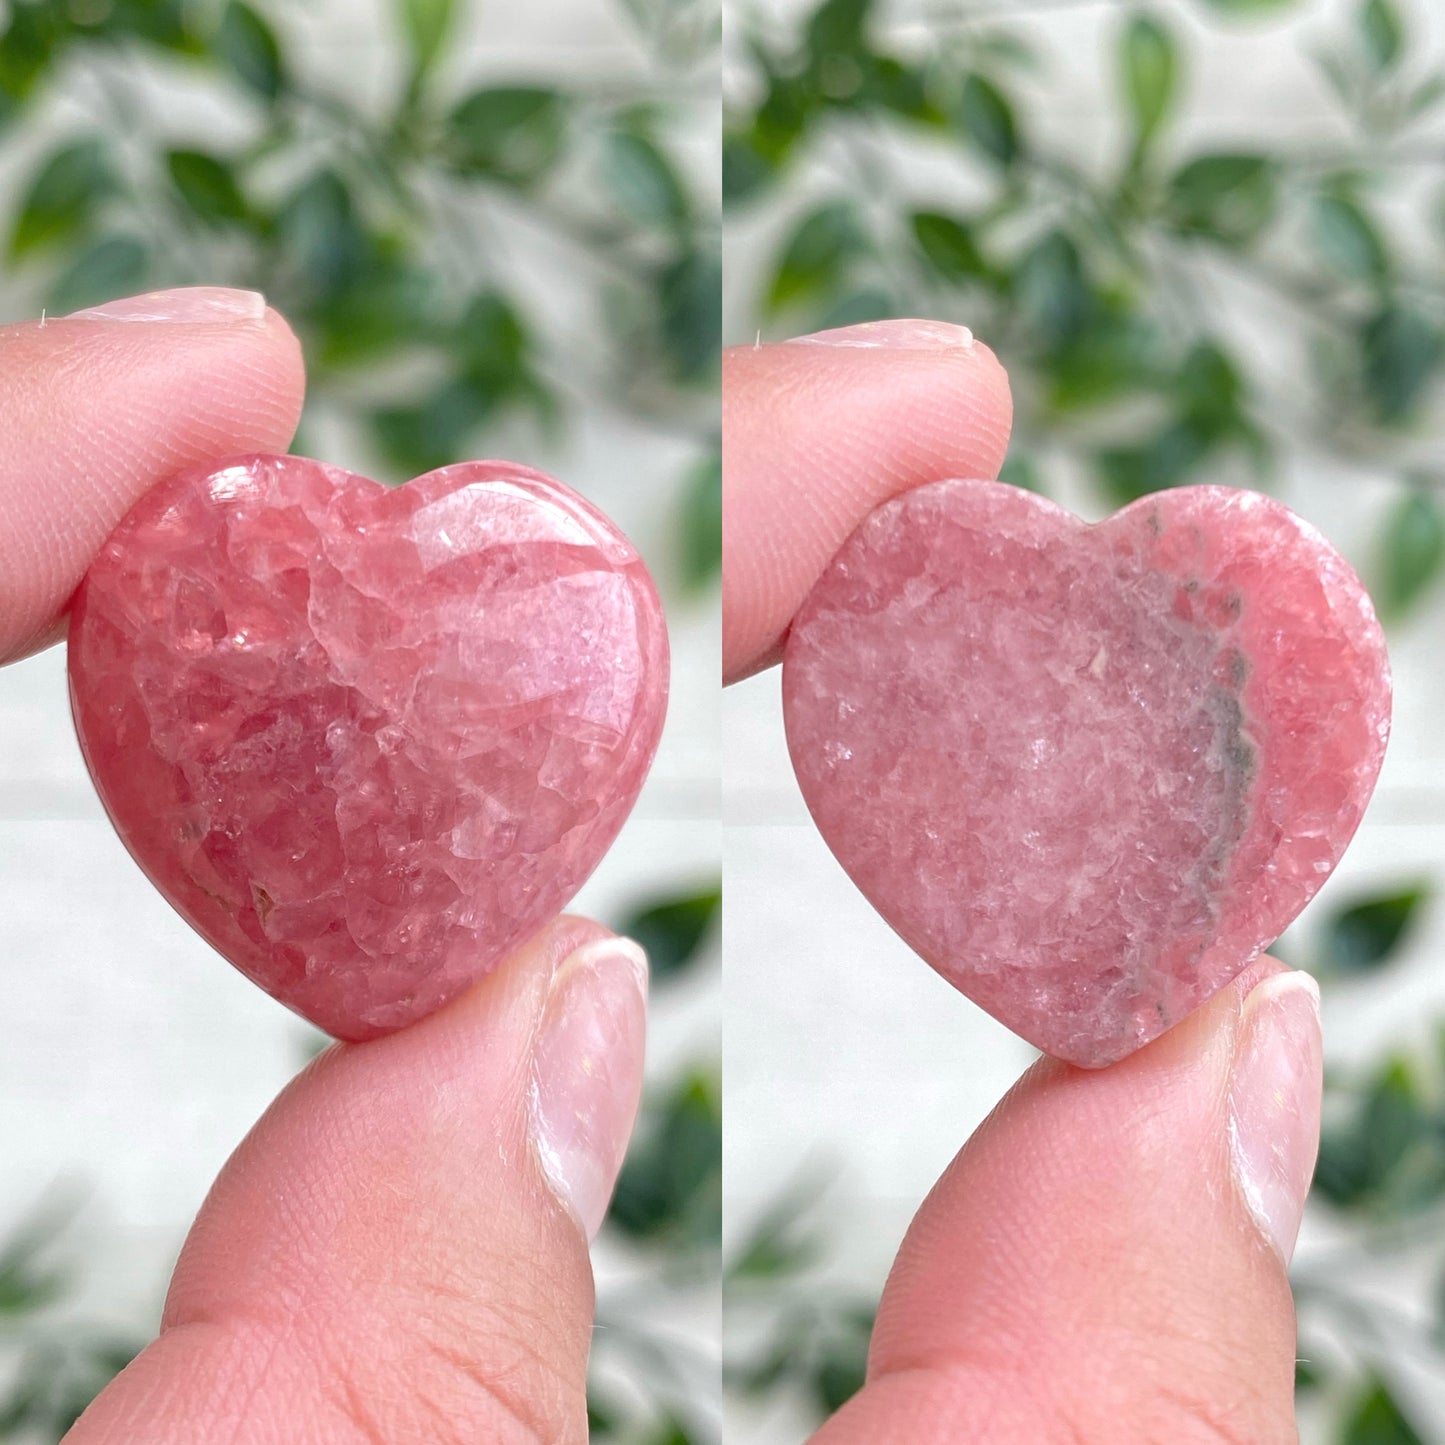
97	408
817	432
1106	1259
398	1251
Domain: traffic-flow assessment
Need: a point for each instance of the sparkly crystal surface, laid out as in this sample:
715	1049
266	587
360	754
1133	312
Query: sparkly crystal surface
367	741
1087	772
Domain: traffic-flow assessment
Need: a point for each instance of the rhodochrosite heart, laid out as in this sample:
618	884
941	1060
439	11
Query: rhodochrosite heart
367	741
1088	773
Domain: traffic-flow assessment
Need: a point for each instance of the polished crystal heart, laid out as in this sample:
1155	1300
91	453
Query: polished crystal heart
1087	772
367	741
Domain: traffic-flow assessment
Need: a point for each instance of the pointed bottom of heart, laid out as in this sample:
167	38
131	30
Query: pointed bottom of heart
1088	773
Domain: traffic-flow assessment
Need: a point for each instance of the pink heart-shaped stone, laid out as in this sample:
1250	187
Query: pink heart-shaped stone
367	741
1088	773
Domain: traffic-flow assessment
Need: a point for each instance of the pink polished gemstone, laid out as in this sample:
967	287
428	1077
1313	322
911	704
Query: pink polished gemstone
367	741
1088	773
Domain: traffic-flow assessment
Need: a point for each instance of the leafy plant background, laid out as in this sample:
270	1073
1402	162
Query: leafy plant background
1187	284
479	259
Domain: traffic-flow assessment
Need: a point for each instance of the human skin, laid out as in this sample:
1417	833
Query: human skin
1106	1259
398	1249
385	1258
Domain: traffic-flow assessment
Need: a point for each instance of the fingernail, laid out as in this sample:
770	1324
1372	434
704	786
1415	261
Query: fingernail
898	335
587	1072
1274	1103
195	304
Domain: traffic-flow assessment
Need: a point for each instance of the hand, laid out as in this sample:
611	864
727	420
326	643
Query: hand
398	1251
1105	1260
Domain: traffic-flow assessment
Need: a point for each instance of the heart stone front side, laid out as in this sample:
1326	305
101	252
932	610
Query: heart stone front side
367	741
1087	772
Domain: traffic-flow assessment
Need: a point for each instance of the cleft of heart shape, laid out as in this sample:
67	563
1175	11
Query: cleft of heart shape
367	741
1087	772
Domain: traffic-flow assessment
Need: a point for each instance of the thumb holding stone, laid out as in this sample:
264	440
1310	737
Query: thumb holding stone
1106	1258
398	1250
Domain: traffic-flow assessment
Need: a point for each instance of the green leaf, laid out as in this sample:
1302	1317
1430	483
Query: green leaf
642	180
426	25
1022	471
208	186
26	1286
838	27
1382	32
1167	460
1347	240
603	1417
1375	1419
1113	357
1051	291
384	306
1402	351
1412	553
491	340
784	1240
746	169
1364	935
1229	198
816	257
1307	1376
29	44
1424	98
170	24
512	133
987	119
700	543
62	197
671	1432
431	433
1210	389
27	1281
115	266
1151	74
672	1180
247	45
949	246
902	89
319	236
1394	1121
672	932
689	295
840	1371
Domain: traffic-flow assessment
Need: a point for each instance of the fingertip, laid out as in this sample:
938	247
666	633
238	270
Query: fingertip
99	408
817	432
389	1236
1139	1211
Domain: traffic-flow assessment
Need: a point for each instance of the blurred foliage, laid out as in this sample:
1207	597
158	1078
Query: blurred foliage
1121	277
51	1363
672	931
1364	934
789	1325
389	234
667	1207
1171	309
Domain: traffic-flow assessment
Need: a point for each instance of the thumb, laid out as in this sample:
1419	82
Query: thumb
98	407
398	1250
1106	1259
